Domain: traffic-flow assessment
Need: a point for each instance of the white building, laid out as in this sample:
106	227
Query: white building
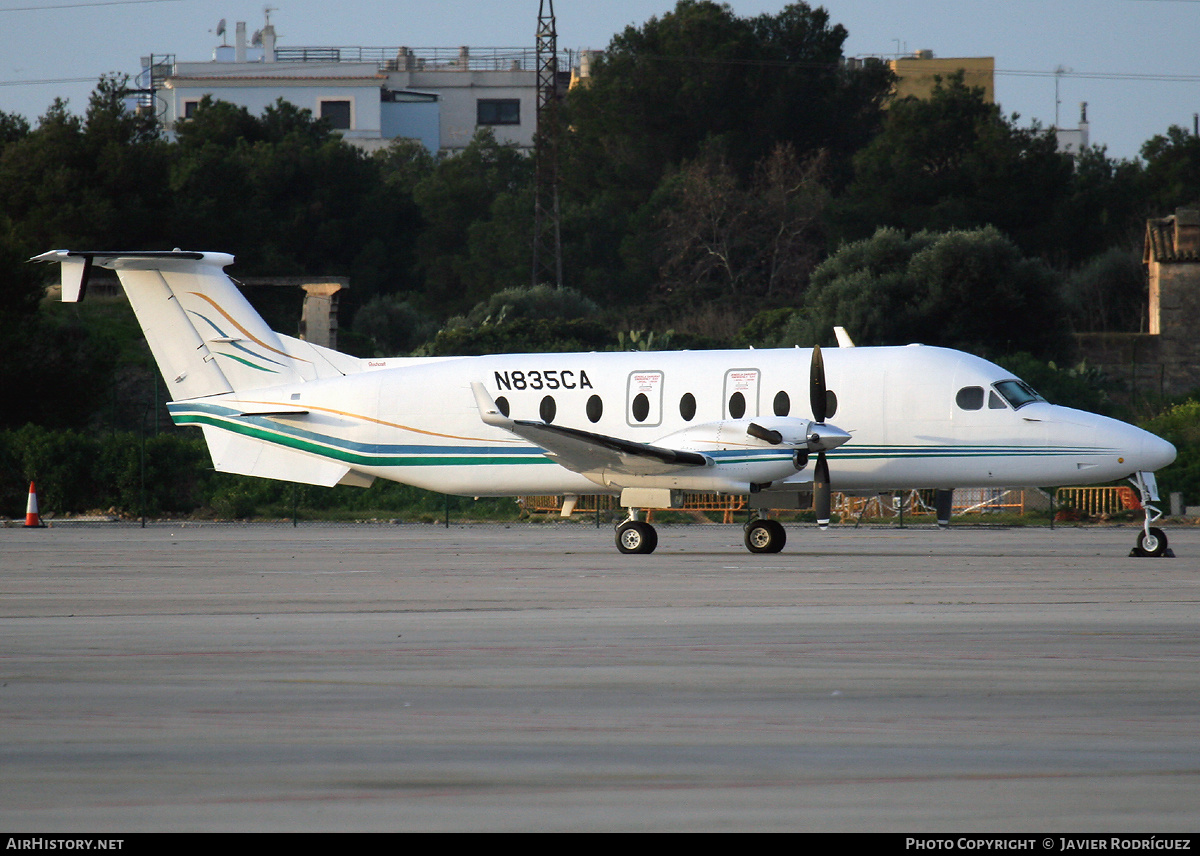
371	95
1074	140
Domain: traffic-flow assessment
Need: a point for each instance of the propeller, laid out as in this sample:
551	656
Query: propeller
821	438
819	402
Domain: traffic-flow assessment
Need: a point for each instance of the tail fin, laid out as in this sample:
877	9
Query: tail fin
205	336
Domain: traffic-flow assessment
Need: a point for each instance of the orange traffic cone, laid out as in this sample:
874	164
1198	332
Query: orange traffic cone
32	519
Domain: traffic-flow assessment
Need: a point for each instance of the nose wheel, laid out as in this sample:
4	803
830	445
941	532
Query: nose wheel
1151	543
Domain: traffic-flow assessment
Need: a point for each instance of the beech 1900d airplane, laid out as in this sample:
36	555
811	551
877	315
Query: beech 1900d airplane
644	426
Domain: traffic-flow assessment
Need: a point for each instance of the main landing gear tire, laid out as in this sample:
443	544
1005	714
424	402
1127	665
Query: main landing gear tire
765	536
635	536
1151	544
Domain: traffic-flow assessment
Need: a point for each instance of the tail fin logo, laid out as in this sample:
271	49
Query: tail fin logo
241	329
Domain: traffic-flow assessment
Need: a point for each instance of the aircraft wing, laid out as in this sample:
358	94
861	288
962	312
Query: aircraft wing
587	452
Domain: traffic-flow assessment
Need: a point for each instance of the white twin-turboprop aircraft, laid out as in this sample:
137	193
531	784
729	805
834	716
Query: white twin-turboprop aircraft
644	426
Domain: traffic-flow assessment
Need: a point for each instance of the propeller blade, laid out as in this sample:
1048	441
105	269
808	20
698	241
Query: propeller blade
816	389
822	499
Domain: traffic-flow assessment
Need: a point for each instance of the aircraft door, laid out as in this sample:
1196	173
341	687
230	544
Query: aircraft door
643	399
741	393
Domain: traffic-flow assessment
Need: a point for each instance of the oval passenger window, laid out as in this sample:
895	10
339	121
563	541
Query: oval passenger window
687	407
737	405
641	407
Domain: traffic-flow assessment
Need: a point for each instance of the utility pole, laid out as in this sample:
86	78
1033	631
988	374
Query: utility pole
547	242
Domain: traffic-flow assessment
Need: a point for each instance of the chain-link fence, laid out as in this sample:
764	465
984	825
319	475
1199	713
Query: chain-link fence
274	503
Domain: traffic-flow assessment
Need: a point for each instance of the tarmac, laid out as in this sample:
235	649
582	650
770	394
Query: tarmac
187	677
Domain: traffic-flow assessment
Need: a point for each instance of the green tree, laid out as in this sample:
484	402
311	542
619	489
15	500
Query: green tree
1109	293
478	210
699	72
1180	425
696	78
953	162
1172	171
719	237
12	127
971	289
287	196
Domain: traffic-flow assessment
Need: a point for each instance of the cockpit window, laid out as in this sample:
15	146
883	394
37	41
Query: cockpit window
970	398
995	402
1017	393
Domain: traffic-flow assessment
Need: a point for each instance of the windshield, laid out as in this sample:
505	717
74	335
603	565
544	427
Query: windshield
1017	393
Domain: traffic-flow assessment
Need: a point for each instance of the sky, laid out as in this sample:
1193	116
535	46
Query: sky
1135	62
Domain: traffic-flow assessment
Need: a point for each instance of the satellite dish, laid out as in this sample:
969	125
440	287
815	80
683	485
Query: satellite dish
221	27
256	39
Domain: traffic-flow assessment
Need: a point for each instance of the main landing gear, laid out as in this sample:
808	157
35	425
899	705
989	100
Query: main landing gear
1151	541
762	535
765	536
635	536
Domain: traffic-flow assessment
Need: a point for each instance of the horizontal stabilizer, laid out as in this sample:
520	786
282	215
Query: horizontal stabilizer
233	453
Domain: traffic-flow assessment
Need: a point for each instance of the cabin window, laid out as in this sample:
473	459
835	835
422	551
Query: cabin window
970	398
547	409
502	405
641	407
687	407
782	404
1017	393
830	404
995	402
737	405
595	408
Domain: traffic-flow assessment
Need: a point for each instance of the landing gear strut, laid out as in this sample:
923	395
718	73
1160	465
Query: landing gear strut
1151	541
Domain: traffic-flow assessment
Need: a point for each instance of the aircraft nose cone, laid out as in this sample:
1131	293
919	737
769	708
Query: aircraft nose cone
1154	453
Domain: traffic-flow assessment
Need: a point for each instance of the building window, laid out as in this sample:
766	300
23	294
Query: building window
189	108
498	111
337	112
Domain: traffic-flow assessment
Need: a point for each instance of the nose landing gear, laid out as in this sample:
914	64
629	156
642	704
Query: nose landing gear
1151	541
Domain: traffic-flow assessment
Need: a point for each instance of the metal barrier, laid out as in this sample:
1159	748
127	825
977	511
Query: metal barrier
849	507
694	503
699	503
1096	501
553	504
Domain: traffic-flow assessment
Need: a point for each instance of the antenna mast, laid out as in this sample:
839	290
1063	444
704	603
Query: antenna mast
547	243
